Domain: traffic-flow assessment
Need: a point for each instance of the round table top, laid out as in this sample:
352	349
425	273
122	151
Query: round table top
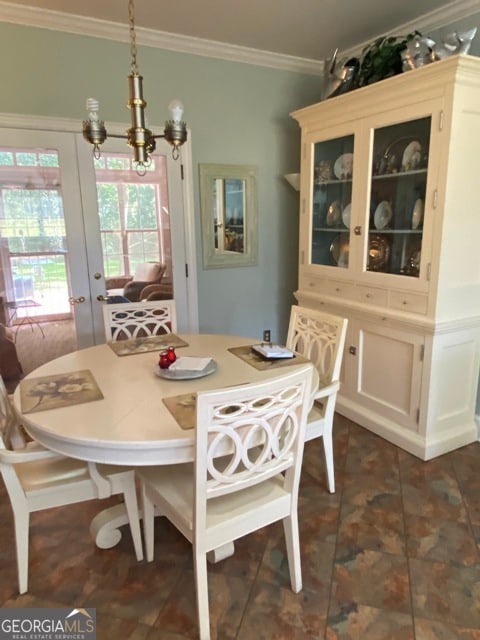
131	425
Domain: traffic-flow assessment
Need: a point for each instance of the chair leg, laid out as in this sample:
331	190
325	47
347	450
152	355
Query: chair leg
148	513
131	505
328	451
22	527
201	590
292	540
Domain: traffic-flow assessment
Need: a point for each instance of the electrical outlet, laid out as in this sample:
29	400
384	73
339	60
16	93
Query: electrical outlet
266	335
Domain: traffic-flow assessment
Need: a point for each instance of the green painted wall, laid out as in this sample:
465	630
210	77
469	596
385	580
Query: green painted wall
237	113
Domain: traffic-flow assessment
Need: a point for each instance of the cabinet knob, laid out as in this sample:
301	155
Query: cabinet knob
357	231
352	350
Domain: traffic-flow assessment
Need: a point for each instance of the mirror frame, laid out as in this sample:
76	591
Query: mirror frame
213	259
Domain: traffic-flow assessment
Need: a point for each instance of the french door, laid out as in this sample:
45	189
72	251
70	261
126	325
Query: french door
51	261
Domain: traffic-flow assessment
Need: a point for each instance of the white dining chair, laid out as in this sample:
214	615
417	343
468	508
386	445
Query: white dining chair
37	478
320	337
139	319
248	453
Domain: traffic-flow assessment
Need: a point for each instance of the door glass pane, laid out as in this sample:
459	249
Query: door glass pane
397	197
331	201
34	278
134	218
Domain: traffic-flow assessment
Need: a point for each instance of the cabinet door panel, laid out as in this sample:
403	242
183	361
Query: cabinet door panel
331	200
386	372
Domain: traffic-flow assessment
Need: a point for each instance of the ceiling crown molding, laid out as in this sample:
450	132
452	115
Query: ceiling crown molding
82	25
442	17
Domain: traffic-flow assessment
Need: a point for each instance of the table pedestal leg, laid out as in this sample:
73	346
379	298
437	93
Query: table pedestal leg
105	530
105	527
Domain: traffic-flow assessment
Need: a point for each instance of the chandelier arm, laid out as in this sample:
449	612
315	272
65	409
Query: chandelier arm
118	135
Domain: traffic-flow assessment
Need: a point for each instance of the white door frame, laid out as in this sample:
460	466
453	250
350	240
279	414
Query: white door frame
67	125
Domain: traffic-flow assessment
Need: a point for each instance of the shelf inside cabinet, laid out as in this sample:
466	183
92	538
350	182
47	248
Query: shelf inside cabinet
399	174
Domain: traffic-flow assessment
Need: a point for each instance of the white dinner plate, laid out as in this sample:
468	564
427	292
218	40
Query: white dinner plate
383	215
417	213
346	215
343	167
183	374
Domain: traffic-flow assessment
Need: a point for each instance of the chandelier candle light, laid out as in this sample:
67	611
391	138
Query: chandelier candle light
139	137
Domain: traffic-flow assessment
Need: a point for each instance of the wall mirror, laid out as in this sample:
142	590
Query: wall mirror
228	198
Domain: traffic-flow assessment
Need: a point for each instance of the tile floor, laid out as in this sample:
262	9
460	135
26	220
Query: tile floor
394	553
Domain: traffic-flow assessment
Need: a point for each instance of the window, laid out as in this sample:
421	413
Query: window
134	214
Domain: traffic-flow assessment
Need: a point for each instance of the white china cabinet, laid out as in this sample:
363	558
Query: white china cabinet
390	238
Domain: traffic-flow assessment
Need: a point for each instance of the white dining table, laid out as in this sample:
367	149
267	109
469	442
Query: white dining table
131	425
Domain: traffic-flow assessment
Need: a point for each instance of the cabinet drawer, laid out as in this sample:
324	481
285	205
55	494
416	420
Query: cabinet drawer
316	285
372	295
338	288
411	302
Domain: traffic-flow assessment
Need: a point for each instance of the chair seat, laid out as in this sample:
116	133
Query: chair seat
175	486
43	474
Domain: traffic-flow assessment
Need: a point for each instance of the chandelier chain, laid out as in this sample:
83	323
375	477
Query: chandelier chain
133	37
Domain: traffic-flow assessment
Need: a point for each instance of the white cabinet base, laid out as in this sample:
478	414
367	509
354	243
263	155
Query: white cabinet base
412	442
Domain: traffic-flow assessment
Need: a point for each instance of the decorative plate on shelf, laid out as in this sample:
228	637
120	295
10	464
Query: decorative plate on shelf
403	154
343	167
334	214
417	213
378	252
412	156
346	215
339	249
383	215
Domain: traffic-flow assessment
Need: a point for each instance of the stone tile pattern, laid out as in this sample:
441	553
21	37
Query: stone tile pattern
394	553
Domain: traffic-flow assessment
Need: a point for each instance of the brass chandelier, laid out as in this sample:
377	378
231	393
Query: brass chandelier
138	136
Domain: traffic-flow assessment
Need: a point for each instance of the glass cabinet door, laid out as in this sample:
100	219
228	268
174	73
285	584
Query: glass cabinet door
331	201
397	197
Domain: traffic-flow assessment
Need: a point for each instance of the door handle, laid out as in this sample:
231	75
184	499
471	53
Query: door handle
101	298
97	275
78	300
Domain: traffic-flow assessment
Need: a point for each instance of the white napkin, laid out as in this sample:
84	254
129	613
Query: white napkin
189	363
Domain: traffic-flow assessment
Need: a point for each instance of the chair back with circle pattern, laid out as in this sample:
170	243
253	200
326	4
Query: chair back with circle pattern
139	319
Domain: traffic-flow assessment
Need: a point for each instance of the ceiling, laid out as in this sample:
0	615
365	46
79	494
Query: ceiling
310	29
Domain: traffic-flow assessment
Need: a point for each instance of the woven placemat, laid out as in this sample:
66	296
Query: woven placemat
255	360
60	390
183	409
150	343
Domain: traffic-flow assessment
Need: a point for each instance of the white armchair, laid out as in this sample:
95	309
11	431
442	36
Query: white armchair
320	337
248	455
37	479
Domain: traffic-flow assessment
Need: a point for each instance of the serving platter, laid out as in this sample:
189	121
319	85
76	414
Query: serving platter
334	214
184	374
339	250
378	252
